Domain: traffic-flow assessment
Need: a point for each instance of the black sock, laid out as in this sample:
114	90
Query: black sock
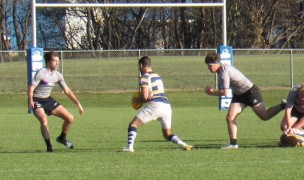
48	143
62	136
233	141
282	106
132	129
170	137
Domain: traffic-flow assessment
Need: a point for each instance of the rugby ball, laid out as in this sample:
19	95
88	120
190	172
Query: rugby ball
135	105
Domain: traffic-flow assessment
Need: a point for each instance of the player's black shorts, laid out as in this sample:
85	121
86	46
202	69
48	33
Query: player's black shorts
48	104
295	113
250	98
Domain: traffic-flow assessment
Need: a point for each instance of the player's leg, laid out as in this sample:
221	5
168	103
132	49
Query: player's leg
298	124
167	133
234	110
144	116
255	101
165	117
68	118
64	114
263	114
42	117
132	133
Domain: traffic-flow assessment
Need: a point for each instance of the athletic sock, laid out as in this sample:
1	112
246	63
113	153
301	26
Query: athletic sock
233	141
175	139
132	132
62	136
48	143
282	106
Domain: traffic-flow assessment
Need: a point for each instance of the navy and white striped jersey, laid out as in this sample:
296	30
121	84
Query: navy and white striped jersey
155	85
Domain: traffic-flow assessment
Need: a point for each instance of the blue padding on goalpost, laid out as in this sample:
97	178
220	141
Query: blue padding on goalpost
34	63
226	53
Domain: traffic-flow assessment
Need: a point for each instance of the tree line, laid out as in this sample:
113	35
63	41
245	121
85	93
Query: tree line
250	24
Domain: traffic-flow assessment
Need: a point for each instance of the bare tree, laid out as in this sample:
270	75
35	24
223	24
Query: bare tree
4	31
21	20
250	24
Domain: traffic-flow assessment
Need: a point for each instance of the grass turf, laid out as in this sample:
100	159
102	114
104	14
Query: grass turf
102	132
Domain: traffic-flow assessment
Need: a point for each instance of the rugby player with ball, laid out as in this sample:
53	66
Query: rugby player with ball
156	106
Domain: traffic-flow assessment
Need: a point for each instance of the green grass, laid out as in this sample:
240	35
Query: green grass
101	132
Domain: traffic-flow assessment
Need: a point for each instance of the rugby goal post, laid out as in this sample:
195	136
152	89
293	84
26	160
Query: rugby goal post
224	102
131	5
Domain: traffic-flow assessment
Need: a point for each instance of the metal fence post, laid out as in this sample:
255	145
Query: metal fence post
291	68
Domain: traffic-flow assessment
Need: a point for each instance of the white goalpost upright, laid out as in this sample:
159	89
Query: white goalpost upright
224	50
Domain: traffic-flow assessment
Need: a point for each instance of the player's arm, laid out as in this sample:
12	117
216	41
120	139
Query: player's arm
223	89
213	92
30	93
143	96
291	98
71	95
287	119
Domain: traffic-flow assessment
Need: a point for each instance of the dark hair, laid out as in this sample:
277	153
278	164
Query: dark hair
212	58
145	61
49	56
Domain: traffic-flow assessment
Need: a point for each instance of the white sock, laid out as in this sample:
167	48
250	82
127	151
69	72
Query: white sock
175	139
131	138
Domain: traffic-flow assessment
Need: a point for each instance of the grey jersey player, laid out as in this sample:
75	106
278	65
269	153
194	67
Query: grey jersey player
292	121
244	92
42	104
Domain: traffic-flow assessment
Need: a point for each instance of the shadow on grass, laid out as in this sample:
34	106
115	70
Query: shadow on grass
244	143
23	152
158	145
13	113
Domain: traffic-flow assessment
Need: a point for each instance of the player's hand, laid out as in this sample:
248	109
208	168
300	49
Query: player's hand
81	111
136	100
209	90
31	106
288	131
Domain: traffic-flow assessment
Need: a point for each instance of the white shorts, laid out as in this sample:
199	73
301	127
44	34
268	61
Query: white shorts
156	111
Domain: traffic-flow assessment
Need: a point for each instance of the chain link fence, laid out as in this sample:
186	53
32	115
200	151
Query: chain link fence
117	70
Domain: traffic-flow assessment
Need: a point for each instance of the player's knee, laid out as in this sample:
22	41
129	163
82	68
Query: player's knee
283	127
69	119
44	124
136	122
229	118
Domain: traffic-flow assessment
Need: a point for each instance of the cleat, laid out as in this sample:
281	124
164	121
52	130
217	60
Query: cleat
66	143
188	147
230	146
49	150
128	149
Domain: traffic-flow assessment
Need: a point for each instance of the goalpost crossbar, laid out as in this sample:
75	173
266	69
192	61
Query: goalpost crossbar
129	5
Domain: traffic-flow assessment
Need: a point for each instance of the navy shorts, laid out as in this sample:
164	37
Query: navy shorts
250	98
295	113
48	104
